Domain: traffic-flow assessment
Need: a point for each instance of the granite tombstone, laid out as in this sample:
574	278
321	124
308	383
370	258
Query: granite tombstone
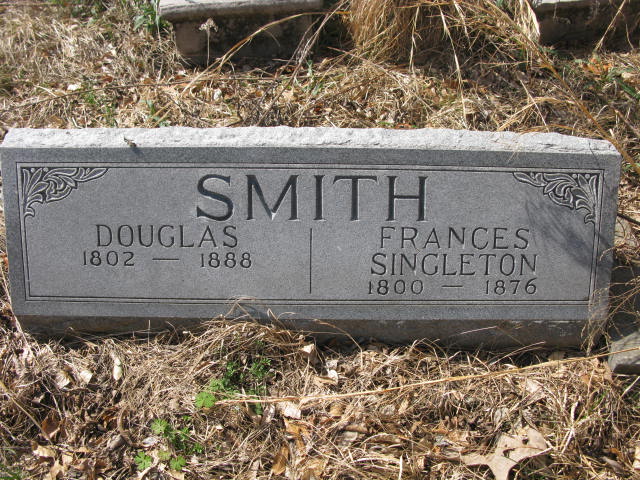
466	237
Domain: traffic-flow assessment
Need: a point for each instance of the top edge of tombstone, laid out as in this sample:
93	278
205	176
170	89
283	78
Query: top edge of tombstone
181	10
304	137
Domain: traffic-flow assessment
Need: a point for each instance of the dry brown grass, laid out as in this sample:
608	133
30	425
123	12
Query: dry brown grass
588	419
68	72
479	69
409	30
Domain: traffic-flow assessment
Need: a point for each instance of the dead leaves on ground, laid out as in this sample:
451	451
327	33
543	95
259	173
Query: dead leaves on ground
294	459
63	462
509	451
490	427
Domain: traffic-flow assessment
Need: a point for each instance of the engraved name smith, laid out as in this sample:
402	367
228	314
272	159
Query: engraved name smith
210	186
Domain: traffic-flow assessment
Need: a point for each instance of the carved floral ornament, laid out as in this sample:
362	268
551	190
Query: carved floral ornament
45	185
577	191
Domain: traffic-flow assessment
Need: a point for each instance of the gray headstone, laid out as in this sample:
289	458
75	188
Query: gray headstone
467	237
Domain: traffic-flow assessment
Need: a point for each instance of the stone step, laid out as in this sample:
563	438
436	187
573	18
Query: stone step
182	10
545	6
206	30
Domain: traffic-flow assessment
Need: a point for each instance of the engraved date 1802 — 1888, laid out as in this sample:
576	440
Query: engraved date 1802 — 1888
114	244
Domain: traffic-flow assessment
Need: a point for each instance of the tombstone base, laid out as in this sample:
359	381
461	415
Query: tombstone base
463	333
